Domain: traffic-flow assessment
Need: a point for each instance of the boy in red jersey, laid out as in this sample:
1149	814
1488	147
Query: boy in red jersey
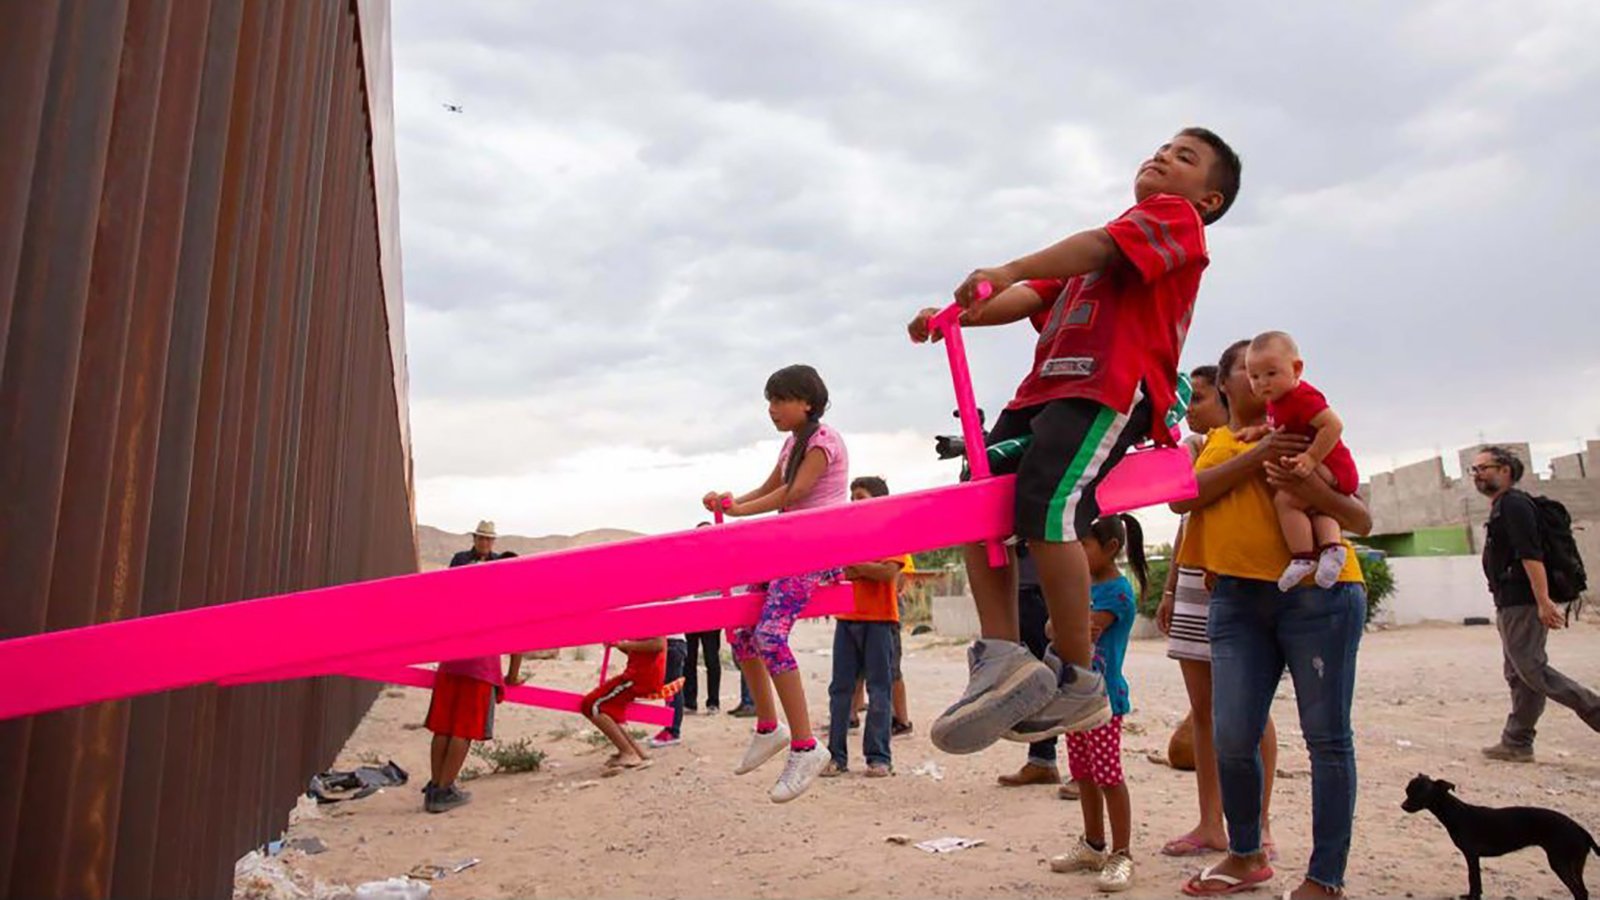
1112	306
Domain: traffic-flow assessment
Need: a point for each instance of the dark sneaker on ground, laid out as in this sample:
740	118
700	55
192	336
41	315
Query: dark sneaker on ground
1079	704
446	799
1506	753
1005	684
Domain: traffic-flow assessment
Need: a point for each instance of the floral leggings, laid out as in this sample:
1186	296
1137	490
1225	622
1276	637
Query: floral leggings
769	639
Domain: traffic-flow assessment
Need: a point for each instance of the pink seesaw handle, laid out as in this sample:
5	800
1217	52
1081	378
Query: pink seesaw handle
948	323
716	516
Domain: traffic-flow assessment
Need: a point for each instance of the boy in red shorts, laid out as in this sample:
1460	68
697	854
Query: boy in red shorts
606	706
465	692
1112	306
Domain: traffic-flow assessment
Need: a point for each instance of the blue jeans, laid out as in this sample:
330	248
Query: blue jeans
1032	616
1256	631
677	651
861	650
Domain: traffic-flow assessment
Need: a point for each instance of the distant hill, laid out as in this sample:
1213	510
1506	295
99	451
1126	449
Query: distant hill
437	546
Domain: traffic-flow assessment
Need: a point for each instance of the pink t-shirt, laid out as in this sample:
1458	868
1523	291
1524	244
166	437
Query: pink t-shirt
833	487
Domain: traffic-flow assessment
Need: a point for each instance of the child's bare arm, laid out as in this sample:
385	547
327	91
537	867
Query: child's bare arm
1252	433
1013	304
1099	621
1329	430
812	466
883	570
1080	254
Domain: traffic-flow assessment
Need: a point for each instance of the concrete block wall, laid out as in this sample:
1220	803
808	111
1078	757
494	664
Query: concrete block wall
1421	496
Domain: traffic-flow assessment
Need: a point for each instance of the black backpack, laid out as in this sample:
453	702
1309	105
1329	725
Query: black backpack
1562	565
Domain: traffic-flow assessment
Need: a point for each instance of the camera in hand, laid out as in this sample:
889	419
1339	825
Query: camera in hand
952	446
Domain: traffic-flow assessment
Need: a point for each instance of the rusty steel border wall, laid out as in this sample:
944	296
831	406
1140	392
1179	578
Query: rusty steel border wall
202	400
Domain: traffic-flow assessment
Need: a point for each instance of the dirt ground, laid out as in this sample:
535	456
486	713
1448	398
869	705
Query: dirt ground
1428	698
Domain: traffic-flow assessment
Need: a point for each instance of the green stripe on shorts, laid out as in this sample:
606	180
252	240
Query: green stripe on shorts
1054	528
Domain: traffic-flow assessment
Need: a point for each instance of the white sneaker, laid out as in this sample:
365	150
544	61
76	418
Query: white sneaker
1117	874
762	748
1081	858
802	768
1294	573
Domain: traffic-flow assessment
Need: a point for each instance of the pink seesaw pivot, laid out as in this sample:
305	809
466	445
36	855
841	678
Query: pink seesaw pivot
948	323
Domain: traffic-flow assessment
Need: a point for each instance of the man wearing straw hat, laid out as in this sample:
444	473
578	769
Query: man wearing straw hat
482	547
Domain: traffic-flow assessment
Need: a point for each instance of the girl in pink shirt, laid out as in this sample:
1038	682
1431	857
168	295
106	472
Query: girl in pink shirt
812	471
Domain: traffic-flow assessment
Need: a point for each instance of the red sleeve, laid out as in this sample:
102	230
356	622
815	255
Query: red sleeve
1160	235
1049	289
1296	410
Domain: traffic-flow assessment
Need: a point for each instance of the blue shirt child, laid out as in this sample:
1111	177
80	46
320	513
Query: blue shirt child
1115	597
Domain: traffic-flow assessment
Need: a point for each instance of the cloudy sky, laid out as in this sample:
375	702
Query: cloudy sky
647	208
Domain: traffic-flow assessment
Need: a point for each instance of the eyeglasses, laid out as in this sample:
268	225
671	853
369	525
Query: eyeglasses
1479	470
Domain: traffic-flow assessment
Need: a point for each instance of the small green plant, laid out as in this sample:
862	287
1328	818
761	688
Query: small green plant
1379	577
566	730
515	756
470	773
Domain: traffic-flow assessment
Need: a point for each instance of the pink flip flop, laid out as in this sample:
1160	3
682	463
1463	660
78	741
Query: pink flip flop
1230	885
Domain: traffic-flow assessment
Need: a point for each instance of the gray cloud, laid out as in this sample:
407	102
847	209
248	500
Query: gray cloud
645	210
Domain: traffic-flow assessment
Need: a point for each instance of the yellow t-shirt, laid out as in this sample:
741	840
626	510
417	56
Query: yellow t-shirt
1238	535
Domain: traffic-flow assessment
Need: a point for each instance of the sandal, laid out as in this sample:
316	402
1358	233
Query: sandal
625	767
1189	845
1195	887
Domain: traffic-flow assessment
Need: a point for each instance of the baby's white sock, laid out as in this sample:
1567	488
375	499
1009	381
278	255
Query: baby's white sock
1295	573
1330	564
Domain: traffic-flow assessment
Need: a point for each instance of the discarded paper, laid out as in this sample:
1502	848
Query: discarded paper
949	844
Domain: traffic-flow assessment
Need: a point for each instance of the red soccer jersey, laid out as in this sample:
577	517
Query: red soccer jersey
1109	330
1293	413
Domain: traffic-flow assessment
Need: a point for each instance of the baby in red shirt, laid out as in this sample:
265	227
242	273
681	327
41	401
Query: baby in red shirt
1296	407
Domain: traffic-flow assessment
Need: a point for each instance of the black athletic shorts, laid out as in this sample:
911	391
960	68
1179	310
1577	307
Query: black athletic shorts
1060	452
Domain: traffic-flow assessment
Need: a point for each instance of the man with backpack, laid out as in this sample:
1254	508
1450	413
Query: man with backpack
1532	563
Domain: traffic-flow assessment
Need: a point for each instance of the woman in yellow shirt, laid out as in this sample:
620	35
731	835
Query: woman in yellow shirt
1257	631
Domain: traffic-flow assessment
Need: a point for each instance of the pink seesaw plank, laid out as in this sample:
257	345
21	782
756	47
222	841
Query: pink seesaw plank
155	653
676	617
526	695
1148	477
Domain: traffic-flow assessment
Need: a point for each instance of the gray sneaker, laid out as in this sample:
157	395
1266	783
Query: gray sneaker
1508	753
1005	684
1078	705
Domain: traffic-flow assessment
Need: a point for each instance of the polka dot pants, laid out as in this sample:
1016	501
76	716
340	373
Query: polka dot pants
1095	755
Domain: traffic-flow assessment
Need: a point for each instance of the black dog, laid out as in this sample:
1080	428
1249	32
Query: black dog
1479	831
